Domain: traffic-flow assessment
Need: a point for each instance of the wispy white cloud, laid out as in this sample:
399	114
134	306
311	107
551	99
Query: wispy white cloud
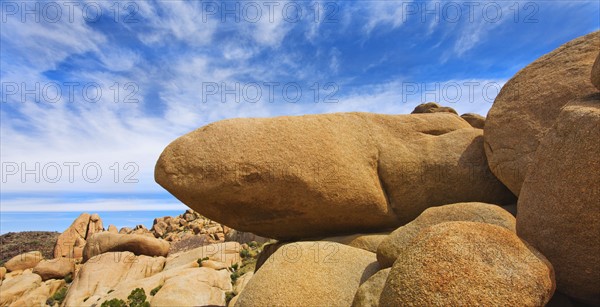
389	14
89	205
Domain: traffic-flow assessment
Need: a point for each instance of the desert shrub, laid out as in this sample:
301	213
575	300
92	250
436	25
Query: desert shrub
234	276
115	302
244	253
137	298
69	278
155	290
200	260
58	297
229	295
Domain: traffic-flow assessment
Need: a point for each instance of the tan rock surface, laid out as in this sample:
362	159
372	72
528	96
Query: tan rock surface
596	73
310	274
369	292
14	288
432	107
70	243
54	269
528	104
399	239
559	207
366	241
202	288
112	229
111	242
39	295
242	281
350	172
466	264
228	253
475	120
107	272
24	261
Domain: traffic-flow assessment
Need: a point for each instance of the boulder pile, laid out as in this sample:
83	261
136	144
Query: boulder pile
368	209
419	209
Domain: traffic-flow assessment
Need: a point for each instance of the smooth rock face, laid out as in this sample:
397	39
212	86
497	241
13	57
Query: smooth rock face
329	174
368	242
475	120
39	295
559	207
112	229
206	287
528	104
24	261
596	72
2	272
112	242
432	107
242	281
466	264
228	253
244	237
107	272
394	244
369	292
309	274
54	269
13	289
71	242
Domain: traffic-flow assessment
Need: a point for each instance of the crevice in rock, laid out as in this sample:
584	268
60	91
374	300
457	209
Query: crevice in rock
435	132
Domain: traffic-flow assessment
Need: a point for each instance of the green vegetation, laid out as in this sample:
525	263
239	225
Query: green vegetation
155	290
244	253
200	261
69	278
137	298
114	303
229	295
58	297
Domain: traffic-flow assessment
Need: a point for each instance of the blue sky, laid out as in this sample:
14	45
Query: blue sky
92	91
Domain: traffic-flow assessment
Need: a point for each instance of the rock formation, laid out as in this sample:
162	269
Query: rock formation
330	174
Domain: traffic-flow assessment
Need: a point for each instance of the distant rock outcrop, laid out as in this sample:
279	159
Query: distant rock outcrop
475	120
72	241
103	242
432	107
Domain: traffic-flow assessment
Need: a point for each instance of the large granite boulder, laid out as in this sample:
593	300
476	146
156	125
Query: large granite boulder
309	274
54	269
559	206
369	292
24	261
529	103
399	239
467	264
331	174
113	242
71	242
